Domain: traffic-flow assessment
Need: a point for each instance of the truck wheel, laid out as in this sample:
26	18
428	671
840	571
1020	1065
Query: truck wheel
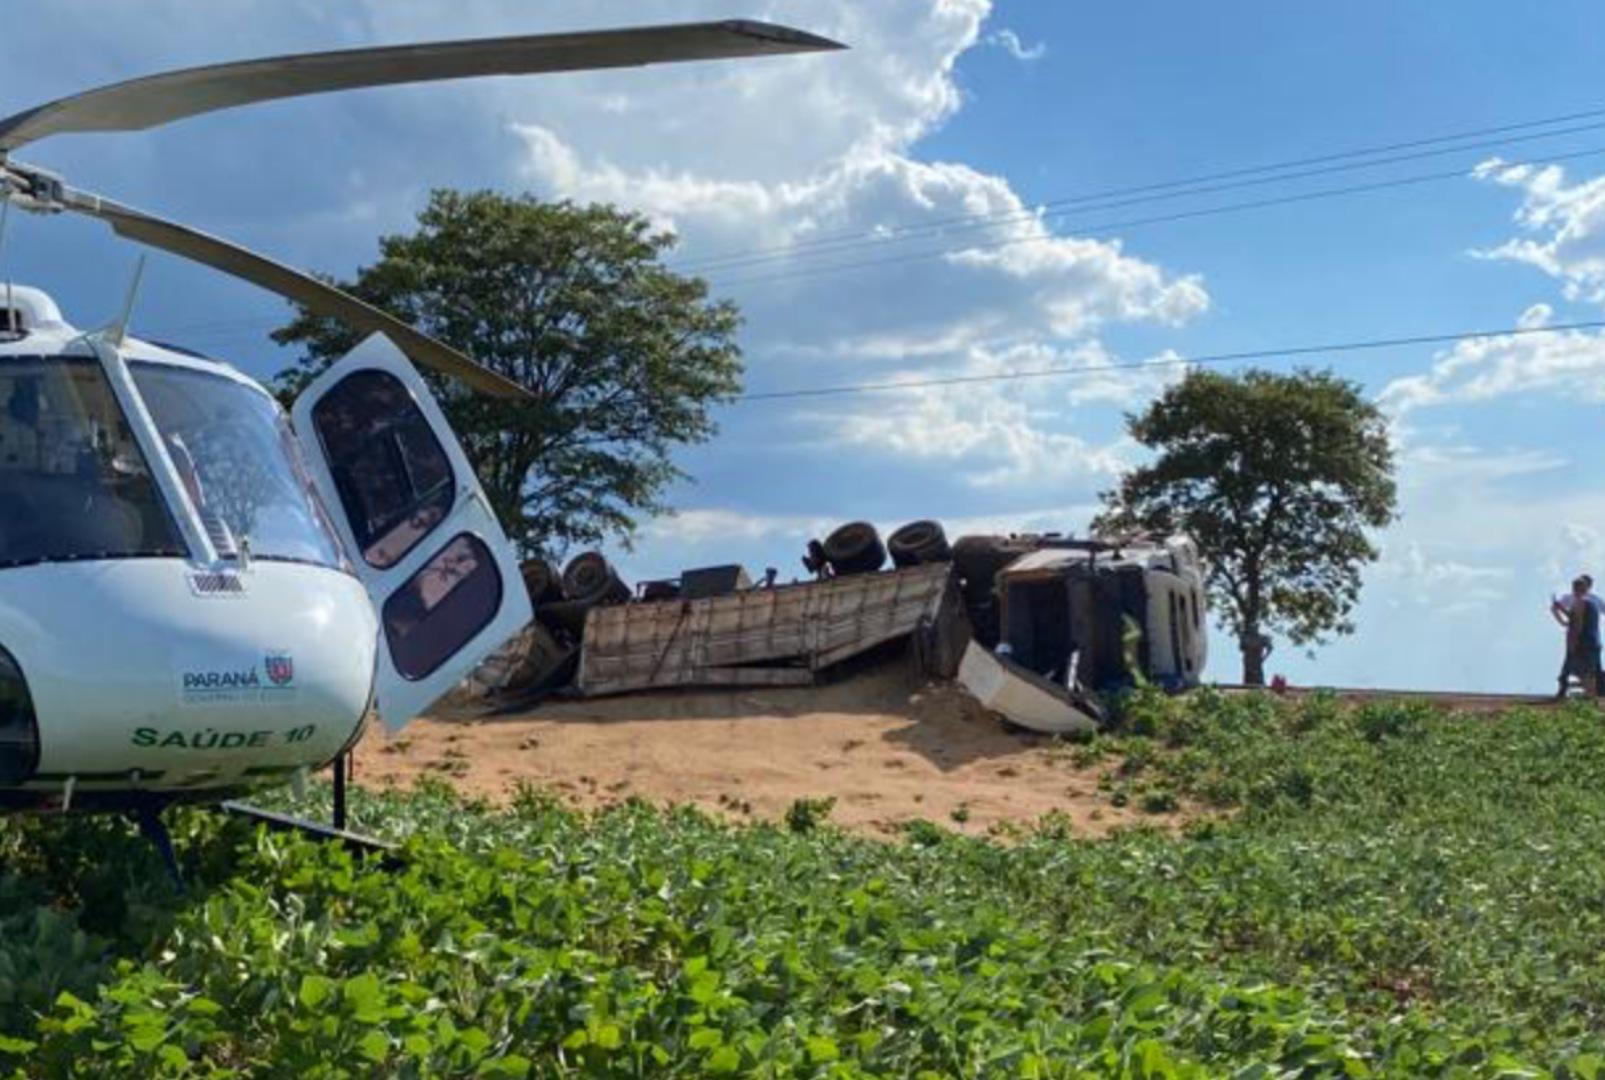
918	542
855	548
565	618
590	578
977	560
541	580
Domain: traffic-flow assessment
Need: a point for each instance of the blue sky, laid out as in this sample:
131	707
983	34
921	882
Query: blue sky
946	110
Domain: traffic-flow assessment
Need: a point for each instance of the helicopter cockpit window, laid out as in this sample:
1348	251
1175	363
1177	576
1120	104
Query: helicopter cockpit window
392	474
240	465
73	482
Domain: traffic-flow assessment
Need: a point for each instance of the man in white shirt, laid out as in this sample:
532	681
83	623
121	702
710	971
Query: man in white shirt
1560	608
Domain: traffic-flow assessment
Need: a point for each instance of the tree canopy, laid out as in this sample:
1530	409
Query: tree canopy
1278	478
624	357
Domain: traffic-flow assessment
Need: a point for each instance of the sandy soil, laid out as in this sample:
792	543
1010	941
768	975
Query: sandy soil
888	748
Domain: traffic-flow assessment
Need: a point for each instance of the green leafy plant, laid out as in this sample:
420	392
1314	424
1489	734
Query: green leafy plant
806	815
1390	891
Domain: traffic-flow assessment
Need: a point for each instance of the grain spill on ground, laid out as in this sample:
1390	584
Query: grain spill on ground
888	749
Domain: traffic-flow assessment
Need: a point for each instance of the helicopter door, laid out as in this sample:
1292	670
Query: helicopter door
442	575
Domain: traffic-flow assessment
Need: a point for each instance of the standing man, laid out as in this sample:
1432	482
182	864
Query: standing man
1560	605
1579	612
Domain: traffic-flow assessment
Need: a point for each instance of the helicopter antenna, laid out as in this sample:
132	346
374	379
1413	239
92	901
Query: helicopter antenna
118	331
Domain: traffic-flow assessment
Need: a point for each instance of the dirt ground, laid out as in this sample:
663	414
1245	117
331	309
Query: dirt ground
888	749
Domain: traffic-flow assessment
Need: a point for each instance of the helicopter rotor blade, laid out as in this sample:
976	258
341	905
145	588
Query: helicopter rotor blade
159	99
315	295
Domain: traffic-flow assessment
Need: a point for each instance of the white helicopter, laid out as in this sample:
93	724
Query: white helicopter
200	595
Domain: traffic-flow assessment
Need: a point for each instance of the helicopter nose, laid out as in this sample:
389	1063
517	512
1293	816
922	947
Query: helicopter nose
134	668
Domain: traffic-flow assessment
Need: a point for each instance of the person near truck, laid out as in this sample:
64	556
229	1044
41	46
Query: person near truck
1579	612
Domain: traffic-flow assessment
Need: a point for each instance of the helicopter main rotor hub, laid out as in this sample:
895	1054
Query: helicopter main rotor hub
34	190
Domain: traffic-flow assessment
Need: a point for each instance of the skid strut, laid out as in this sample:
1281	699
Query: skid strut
340	792
355	842
149	817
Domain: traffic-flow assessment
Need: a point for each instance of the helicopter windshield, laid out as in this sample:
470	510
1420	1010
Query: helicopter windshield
240	464
73	482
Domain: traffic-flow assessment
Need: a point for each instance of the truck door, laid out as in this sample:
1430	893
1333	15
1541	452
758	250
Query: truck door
441	573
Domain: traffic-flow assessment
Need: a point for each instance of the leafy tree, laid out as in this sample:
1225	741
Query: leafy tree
1277	477
623	356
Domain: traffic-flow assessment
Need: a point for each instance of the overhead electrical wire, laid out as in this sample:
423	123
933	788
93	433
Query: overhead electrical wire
1191	361
1117	226
224	328
1160	190
227	329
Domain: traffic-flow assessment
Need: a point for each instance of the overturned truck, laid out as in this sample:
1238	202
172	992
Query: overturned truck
1079	618
1037	627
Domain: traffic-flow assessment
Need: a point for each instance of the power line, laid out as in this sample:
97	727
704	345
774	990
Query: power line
1184	215
1143	365
980	222
232	329
735	258
1148	192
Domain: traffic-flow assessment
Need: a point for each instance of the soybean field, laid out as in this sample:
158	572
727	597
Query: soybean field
1359	891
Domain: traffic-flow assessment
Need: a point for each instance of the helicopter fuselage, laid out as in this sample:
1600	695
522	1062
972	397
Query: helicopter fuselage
148	651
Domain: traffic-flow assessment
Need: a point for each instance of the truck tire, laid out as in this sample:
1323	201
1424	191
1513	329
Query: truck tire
918	542
590	578
977	560
565	618
855	548
541	580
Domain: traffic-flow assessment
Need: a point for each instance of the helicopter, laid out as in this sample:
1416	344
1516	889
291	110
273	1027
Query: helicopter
202	595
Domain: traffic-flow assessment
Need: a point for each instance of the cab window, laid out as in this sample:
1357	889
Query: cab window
393	477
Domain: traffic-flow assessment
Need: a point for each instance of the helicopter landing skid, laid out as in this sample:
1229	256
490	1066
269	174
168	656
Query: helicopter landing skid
355	842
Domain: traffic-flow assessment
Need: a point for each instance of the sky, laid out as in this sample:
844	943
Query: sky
918	207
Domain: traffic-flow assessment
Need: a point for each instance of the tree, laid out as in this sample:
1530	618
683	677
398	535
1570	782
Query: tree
624	357
1277	478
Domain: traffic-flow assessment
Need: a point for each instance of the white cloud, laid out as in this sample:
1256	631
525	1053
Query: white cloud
1458	463
989	438
1565	223
1571	362
1440	580
1008	279
999	432
719	525
1010	42
825	162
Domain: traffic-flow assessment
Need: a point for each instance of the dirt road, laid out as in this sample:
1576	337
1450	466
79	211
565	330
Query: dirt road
886	747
